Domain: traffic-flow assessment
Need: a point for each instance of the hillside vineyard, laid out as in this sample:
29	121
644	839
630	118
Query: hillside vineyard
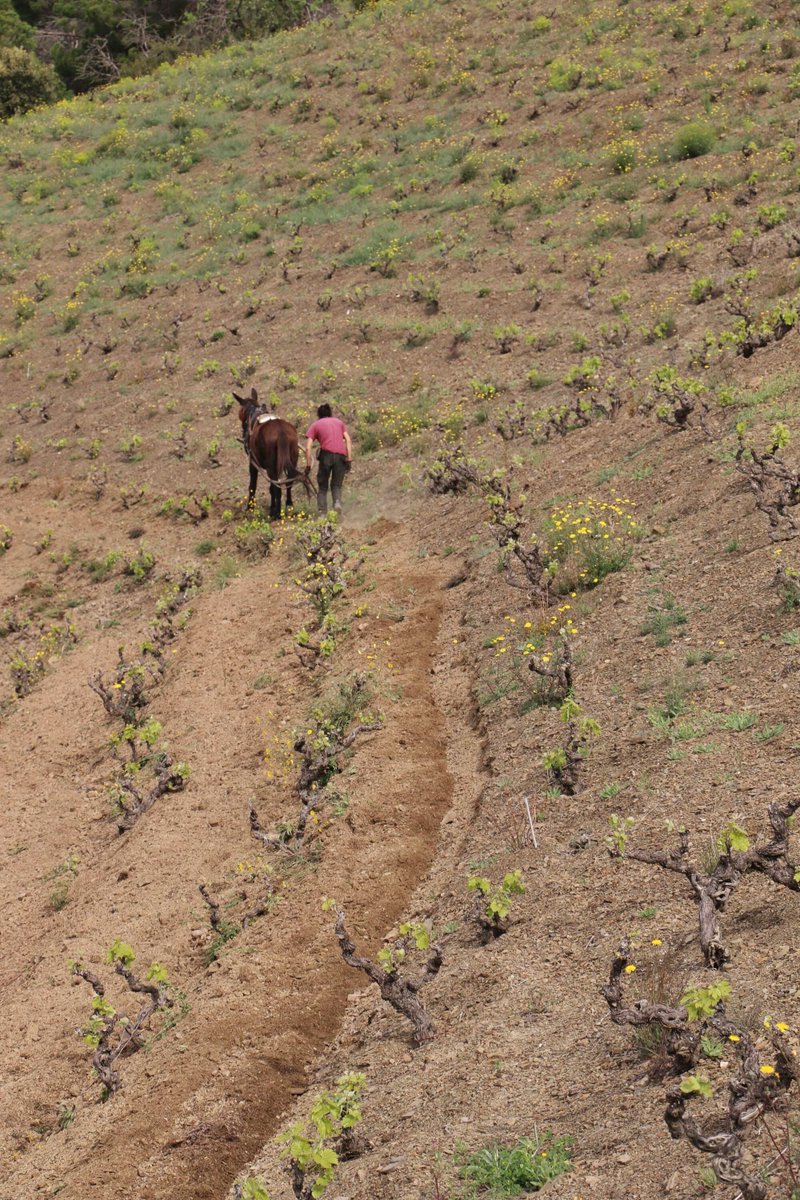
443	848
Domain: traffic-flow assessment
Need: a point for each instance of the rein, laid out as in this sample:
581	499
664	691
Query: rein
301	477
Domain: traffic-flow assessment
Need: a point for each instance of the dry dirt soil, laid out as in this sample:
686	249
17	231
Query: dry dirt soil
686	657
523	1036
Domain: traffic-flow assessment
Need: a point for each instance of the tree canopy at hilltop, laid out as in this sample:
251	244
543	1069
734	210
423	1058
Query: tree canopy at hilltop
92	42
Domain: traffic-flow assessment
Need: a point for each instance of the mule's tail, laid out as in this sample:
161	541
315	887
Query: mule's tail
286	454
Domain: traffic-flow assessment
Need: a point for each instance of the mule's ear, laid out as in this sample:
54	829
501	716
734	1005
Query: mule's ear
236	396
254	395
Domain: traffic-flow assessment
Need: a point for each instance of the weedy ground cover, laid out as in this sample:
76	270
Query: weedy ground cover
664	618
520	1169
586	540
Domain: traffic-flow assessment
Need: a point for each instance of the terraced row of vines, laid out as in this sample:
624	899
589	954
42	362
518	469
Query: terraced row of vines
446	850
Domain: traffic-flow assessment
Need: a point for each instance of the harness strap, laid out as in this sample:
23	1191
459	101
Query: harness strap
253	415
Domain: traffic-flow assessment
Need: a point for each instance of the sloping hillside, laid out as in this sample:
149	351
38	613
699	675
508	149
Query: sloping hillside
544	263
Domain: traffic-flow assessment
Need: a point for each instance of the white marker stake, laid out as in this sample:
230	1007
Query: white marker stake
530	822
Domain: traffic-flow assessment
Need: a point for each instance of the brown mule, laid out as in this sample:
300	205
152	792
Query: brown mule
272	446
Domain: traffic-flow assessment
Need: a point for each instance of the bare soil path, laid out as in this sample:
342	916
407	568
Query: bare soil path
199	1102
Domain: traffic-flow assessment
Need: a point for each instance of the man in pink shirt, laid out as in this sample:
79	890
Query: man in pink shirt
335	456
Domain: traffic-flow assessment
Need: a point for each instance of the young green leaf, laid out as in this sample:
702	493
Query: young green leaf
121	952
417	931
733	837
702	1002
512	883
253	1189
696	1085
157	973
478	883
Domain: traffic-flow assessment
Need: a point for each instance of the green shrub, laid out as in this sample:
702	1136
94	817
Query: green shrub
254	535
13	30
664	326
253	1189
25	82
469	168
314	1148
538	26
140	566
622	190
770	215
563	75
622	156
536	379
702	289
758	85
693	140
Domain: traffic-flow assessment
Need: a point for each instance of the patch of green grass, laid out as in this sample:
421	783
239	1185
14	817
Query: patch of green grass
737	722
227	569
785	383
695	657
659	722
225	932
610	790
685	730
373	247
664	620
768	732
675	697
664	718
497	686
520	1169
